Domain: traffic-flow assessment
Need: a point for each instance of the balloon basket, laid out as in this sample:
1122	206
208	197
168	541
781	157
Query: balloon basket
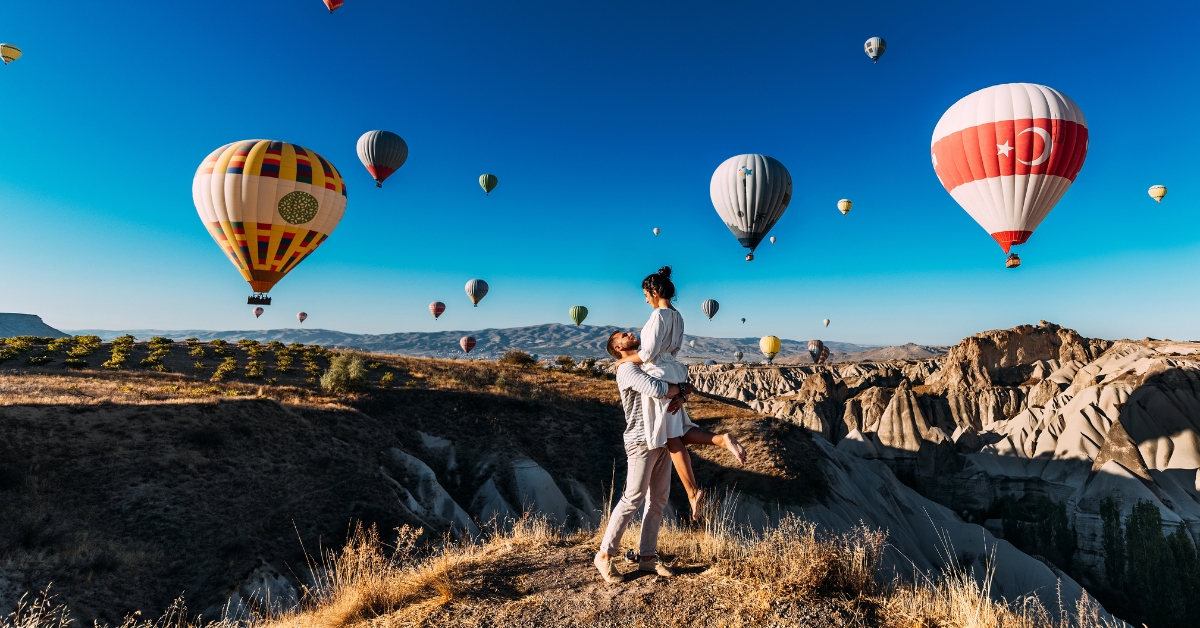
750	257
1013	261
258	299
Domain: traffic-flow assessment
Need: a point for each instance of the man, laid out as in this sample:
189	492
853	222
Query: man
648	479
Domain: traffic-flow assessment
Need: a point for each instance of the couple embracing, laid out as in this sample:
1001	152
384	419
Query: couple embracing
653	387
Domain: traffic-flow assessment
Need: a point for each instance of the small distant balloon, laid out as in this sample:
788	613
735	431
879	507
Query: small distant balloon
737	356
692	343
476	290
656	231
710	307
301	316
743	321
818	351
258	311
772	239
382	152
770	346
436	308
578	313
467	343
9	53
826	321
844	206
1157	192
488	182
334	5
874	48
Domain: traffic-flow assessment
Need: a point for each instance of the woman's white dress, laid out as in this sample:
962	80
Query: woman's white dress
662	338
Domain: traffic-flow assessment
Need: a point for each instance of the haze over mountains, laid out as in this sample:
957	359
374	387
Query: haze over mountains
548	340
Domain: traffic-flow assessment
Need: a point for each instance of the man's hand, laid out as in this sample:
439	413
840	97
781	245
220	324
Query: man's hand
676	403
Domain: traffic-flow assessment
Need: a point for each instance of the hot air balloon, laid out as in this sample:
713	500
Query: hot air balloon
656	232
1157	192
382	152
488	183
818	351
268	205
467	343
302	316
436	308
578	313
770	346
743	321
1007	153
9	53
710	363
737	355
874	48
334	5
772	239
844	206
476	290
710	307
750	193
258	311
692	343
826	321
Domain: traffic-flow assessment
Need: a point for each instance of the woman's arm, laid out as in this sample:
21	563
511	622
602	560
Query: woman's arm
652	340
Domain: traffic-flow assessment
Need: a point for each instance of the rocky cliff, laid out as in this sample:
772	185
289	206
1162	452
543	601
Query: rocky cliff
1036	411
26	325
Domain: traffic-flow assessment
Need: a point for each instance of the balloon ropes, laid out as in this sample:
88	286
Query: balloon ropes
476	290
268	205
578	313
710	307
874	48
488	183
1007	154
770	346
750	193
436	308
382	152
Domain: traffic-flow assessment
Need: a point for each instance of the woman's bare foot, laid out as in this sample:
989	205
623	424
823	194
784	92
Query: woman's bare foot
734	447
697	502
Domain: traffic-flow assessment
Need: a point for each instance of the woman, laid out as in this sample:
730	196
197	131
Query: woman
661	340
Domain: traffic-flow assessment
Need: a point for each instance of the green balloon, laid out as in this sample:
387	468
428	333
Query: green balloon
488	182
578	313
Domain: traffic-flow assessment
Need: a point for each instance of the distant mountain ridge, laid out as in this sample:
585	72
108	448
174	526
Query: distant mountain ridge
26	325
548	340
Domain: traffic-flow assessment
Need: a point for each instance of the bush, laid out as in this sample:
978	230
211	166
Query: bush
254	369
347	373
516	357
75	363
566	362
225	369
120	352
38	360
84	346
386	380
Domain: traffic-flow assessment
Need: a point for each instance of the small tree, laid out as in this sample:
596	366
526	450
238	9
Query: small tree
516	357
565	361
347	373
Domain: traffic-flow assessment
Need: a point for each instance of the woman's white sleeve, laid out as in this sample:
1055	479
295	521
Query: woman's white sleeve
651	340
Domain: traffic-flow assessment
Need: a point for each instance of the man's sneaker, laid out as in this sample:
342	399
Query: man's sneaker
607	571
655	566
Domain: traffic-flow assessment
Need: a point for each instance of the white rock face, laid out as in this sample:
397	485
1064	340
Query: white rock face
417	488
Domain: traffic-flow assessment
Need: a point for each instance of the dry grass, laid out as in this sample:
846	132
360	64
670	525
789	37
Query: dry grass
735	578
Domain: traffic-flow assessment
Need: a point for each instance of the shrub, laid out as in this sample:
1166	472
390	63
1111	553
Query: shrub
516	357
38	360
198	367
275	345
347	373
75	363
565	361
12	348
225	369
84	346
120	352
254	369
283	361
58	344
386	380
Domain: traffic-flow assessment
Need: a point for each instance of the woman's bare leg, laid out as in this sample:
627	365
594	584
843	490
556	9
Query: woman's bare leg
683	466
697	436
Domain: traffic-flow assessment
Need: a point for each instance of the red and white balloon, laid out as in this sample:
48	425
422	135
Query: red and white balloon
258	311
301	316
1008	153
436	308
467	343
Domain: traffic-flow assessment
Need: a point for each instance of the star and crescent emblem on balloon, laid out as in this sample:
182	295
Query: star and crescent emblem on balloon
1006	148
1003	149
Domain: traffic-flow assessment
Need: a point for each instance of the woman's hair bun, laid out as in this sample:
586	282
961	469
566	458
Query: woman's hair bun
665	271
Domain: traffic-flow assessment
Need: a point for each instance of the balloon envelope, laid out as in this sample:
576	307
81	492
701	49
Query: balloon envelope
476	290
302	316
9	53
750	193
844	206
692	343
769	345
656	231
743	321
1157	192
258	311
333	5
488	182
874	48
382	152
772	239
826	321
436	308
1007	153
467	343
710	307
737	355
578	313
268	205
817	351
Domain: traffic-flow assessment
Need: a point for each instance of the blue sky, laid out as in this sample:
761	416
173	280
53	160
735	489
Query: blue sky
602	121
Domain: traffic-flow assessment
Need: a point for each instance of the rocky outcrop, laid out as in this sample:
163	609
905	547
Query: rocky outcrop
26	325
1007	357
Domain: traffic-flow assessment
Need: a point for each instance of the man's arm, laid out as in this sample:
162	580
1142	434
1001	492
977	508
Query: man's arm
632	376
